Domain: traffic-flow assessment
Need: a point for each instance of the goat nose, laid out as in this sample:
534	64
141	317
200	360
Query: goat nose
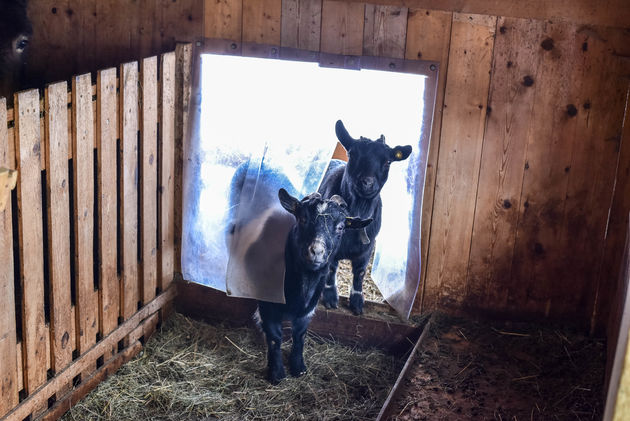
367	182
316	251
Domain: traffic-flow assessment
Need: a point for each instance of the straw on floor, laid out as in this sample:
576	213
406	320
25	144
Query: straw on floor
190	370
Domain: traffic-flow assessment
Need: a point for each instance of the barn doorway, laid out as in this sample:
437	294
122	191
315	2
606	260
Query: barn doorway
255	113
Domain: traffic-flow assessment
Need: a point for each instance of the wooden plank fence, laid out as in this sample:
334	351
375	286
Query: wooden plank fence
88	239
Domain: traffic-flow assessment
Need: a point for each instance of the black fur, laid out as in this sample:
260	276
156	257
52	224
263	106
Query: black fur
310	244
15	32
359	183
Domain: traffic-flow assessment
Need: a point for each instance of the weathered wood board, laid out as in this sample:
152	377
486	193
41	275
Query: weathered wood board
58	201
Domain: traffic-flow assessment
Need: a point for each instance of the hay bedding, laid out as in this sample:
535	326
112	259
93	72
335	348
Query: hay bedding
468	370
190	370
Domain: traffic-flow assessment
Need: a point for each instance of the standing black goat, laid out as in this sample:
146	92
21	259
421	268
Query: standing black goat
15	31
311	243
359	183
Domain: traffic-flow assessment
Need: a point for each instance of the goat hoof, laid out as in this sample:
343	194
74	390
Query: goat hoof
356	304
330	299
298	371
329	305
275	376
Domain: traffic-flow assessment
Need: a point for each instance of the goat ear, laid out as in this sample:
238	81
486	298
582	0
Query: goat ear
344	137
290	203
357	223
381	139
400	153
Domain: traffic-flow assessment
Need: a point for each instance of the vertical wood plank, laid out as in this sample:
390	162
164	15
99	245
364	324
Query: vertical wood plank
106	135
614	296
342	27
601	104
183	91
544	180
301	24
148	174
55	42
463	127
543	252
516	57
172	28
29	191
608	307
117	46
83	163
261	21
82	13
129	187
429	38
223	19
56	102
8	370
166	171
385	31
147	27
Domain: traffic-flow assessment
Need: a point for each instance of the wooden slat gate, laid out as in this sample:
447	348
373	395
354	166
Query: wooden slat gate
88	241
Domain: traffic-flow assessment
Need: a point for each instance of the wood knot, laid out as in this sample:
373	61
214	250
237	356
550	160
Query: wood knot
547	44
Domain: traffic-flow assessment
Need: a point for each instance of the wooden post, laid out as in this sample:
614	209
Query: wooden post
129	188
148	175
58	194
30	224
183	92
83	163
106	135
166	171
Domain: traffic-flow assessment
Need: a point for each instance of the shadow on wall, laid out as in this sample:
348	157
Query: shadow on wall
76	37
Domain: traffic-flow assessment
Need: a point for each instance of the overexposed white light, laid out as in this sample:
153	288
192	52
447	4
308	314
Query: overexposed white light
287	110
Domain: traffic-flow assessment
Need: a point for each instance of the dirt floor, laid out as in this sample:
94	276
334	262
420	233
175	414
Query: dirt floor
191	370
481	371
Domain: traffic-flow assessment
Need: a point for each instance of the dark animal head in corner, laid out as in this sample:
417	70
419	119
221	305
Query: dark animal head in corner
368	161
320	224
15	32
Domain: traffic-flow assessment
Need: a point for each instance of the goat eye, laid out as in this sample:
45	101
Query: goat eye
21	45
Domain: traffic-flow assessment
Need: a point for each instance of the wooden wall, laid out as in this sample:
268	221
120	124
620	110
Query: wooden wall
526	141
78	36
529	175
86	276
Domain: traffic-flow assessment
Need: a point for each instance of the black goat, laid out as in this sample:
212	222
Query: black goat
15	31
308	250
359	183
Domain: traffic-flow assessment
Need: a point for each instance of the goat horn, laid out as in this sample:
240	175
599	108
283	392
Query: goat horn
312	196
338	200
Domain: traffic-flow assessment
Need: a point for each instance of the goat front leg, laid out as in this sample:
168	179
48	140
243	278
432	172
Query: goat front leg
359	266
296	358
330	297
273	334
